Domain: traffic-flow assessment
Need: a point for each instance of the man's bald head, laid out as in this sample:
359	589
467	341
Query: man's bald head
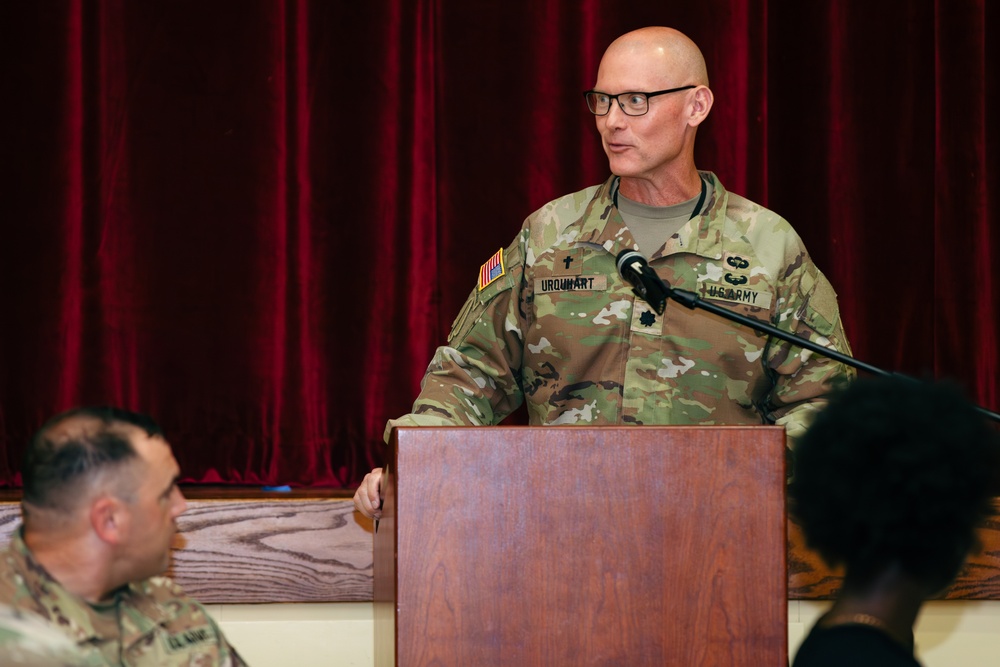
661	75
78	451
669	51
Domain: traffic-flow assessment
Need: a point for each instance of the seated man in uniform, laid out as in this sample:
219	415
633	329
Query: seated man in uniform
99	514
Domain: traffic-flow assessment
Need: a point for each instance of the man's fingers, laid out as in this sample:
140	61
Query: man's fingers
367	498
375	487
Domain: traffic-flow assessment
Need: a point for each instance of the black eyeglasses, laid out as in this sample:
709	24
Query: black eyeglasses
633	104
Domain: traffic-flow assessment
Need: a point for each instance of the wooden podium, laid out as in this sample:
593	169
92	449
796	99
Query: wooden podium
583	546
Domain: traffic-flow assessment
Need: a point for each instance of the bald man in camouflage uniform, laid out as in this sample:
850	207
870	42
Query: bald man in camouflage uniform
552	323
99	509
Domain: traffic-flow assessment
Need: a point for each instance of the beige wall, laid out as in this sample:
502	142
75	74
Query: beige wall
338	634
342	634
948	633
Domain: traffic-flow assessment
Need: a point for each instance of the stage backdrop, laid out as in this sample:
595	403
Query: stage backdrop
254	220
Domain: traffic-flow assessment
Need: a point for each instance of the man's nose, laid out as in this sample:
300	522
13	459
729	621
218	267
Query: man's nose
616	116
180	503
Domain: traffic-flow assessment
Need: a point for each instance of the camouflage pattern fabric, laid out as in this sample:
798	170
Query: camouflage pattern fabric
28	640
148	623
556	325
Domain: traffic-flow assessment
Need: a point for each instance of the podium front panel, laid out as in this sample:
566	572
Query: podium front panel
583	546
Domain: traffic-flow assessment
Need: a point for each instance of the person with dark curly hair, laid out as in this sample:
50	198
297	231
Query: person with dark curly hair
891	482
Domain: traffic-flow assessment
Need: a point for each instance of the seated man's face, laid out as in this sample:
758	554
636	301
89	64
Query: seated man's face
153	513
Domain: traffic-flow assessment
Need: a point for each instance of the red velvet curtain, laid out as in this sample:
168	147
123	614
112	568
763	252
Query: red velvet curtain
255	219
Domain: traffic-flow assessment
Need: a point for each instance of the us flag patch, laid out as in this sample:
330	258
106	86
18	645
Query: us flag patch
491	270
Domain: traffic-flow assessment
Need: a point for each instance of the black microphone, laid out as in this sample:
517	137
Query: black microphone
646	285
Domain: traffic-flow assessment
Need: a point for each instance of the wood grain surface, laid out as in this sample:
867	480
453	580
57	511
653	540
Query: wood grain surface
244	550
297	548
810	579
584	545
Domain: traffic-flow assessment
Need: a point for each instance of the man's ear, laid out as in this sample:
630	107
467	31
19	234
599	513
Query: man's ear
109	518
701	104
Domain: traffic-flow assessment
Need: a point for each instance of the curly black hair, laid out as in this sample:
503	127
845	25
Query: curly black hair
896	471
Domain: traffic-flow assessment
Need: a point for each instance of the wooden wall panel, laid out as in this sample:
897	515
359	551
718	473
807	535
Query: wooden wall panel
810	579
254	550
317	549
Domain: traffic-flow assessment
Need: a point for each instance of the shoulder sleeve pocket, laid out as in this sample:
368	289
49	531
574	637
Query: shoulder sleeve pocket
480	300
820	311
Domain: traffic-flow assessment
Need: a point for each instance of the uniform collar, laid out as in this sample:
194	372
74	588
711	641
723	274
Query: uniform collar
602	224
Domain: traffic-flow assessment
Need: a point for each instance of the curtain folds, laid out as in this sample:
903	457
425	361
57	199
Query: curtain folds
255	220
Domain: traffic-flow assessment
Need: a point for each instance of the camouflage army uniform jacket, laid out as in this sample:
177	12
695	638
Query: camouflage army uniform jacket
149	623
555	325
26	639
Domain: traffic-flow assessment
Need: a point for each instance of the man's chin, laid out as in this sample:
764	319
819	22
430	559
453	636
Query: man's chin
162	567
622	167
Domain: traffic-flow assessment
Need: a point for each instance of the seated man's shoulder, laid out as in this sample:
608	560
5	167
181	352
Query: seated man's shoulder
29	640
21	586
173	605
163	589
185	627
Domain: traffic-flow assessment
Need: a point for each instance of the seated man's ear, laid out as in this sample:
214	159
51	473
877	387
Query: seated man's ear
110	519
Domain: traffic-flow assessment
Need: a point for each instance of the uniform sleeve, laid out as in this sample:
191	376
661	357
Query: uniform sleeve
803	378
475	379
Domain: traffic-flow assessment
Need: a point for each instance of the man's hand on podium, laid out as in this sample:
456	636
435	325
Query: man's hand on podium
368	497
